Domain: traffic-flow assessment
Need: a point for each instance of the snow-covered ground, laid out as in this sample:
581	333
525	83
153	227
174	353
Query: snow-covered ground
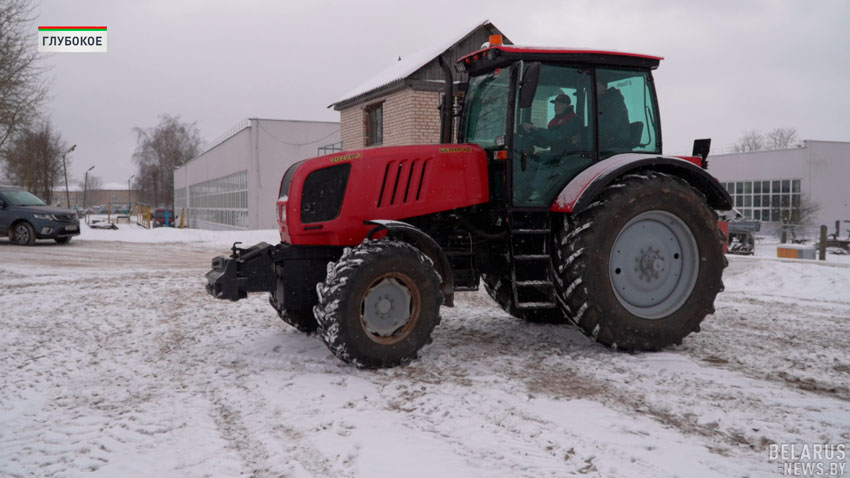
115	362
136	234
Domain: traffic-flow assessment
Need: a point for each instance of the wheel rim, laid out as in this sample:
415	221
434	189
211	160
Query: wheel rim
22	234
390	308
654	264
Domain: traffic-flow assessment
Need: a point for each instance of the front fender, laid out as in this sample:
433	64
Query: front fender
405	232
579	193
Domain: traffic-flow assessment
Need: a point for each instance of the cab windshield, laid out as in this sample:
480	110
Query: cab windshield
487	104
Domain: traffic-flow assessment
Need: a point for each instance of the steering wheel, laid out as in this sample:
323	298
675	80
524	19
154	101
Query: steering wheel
523	141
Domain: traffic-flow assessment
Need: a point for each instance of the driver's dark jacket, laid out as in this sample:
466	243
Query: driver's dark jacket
559	133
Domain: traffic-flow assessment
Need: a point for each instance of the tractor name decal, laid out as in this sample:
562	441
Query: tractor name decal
456	150
346	157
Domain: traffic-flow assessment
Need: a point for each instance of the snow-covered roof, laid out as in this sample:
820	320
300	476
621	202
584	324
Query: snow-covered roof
113	187
76	188
408	65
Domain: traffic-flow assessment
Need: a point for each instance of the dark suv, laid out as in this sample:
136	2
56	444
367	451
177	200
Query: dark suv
25	218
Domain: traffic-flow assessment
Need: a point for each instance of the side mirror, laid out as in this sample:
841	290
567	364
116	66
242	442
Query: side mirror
702	147
2	205
528	85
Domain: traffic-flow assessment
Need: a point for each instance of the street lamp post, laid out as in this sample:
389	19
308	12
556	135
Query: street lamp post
86	188
65	167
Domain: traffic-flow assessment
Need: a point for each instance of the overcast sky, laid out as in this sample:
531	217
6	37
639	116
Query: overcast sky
730	65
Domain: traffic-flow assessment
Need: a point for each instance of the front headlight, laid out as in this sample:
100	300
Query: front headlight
50	217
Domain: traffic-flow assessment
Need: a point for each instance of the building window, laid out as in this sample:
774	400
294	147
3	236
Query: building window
769	201
179	198
223	200
375	124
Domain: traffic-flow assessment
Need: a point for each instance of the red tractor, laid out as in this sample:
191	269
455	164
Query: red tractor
556	196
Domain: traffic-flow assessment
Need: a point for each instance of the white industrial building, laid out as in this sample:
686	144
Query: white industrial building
772	186
234	183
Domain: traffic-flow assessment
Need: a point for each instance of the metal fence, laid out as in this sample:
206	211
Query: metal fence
330	148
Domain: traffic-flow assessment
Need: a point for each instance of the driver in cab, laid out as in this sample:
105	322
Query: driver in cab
562	132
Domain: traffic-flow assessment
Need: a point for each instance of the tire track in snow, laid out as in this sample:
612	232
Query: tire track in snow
558	362
245	433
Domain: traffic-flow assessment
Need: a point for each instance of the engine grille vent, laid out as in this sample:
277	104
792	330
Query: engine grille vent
402	182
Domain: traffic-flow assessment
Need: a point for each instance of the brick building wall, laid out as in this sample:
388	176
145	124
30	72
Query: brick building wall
410	117
98	197
352	127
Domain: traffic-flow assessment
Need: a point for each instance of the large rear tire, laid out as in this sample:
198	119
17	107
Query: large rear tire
379	304
499	289
641	267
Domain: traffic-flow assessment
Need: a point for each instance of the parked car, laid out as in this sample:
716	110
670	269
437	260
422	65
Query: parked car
24	218
158	218
741	238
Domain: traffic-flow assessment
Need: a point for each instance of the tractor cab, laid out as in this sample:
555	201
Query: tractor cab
545	115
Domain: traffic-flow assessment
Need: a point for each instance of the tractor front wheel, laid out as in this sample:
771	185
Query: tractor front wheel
379	304
641	267
302	320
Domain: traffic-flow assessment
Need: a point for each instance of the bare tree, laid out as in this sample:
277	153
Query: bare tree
781	138
95	183
90	189
750	141
34	160
807	212
159	151
22	87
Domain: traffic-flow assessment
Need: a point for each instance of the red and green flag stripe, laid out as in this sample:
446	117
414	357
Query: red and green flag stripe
76	29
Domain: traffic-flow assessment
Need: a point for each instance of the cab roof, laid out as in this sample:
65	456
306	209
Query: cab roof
499	55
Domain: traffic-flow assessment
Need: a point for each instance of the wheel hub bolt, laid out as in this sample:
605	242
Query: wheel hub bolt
651	264
384	305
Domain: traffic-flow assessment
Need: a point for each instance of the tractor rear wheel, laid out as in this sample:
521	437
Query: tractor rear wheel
499	289
641	267
379	304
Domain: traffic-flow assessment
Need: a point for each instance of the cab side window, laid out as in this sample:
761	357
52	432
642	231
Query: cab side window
628	118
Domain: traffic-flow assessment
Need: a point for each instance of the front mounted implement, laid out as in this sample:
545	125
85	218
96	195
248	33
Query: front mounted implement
289	273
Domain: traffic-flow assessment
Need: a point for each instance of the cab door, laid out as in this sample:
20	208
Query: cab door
553	137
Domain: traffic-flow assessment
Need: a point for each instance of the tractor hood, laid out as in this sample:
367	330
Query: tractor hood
326	200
